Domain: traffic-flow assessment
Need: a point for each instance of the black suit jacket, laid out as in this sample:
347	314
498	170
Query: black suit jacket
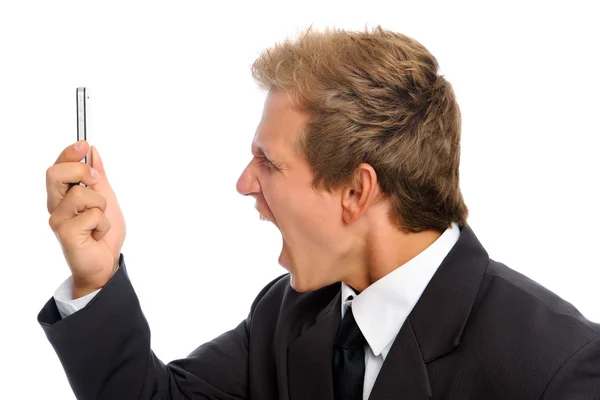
479	331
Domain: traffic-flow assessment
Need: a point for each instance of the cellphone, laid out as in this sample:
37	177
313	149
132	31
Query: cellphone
83	98
82	105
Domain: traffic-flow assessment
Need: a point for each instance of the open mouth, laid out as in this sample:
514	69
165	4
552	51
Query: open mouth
266	219
260	214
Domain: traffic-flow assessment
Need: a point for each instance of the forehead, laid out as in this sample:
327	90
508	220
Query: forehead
280	124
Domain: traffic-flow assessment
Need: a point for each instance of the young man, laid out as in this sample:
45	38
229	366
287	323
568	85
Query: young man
389	292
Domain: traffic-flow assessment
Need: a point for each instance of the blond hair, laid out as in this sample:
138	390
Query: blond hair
374	97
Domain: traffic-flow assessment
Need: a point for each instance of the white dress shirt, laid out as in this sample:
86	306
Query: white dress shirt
66	304
381	309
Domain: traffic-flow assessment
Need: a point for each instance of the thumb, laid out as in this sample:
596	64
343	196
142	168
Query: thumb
98	165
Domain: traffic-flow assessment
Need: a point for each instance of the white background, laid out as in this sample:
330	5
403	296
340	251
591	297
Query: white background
174	111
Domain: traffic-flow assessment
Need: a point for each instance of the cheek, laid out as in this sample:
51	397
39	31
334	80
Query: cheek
316	219
302	215
288	207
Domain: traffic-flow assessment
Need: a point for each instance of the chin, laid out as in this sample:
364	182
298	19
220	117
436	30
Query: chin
297	282
286	263
298	286
302	286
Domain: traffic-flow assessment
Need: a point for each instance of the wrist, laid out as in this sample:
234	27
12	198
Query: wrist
84	286
80	290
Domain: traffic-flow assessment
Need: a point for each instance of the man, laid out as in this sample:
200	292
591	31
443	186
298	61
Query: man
389	292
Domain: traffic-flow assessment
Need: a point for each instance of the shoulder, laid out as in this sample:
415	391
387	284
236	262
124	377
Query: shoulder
278	295
519	329
544	309
271	291
516	315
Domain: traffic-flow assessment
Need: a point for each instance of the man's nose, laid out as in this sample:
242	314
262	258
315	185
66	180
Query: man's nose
247	183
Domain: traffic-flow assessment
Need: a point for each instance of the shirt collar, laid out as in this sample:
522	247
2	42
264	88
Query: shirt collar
381	309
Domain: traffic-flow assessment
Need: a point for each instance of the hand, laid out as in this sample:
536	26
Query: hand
87	221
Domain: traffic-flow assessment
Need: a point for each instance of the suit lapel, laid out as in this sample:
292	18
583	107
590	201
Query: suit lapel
310	357
403	374
435	325
439	317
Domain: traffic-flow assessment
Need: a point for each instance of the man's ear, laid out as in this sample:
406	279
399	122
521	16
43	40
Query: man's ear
358	196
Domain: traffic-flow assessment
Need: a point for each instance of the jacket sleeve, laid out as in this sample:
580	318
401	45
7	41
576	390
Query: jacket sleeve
105	351
579	376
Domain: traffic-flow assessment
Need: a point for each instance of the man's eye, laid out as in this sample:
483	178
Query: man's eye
265	161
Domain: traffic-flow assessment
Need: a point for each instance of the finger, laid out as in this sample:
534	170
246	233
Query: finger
77	201
74	152
98	165
101	220
77	230
94	221
61	177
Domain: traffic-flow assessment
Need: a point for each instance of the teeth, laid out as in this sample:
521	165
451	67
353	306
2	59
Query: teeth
262	217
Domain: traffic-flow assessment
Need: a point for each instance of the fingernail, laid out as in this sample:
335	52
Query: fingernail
77	146
95	173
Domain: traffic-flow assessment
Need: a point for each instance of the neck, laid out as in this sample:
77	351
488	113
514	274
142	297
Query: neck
385	250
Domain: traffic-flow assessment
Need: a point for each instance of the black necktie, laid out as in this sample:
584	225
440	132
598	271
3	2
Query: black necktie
349	360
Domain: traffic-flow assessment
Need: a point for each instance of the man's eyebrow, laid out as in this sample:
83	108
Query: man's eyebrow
258	149
261	152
